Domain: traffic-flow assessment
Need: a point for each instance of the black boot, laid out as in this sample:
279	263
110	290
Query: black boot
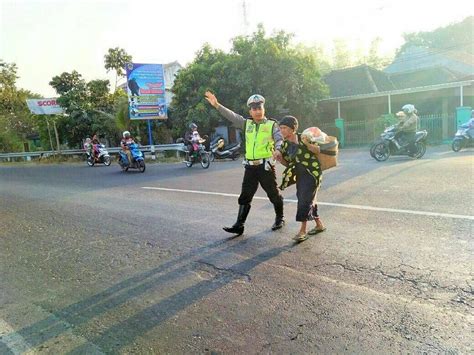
238	227
279	219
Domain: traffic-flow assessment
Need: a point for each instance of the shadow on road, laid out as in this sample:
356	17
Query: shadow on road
123	333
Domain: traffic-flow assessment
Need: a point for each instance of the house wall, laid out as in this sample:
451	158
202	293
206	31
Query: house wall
442	101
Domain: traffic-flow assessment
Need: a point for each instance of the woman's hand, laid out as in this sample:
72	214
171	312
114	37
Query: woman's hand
314	148
304	139
212	99
277	155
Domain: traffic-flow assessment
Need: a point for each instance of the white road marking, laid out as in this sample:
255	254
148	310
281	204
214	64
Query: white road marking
18	345
358	207
14	342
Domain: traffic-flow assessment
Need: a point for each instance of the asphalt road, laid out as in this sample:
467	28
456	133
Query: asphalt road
94	260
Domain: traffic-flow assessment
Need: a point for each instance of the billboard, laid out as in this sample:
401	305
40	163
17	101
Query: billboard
146	91
44	106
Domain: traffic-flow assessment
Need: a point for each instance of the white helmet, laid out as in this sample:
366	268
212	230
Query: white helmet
255	99
409	109
125	133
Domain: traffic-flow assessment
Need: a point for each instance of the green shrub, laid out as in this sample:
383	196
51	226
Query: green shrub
383	122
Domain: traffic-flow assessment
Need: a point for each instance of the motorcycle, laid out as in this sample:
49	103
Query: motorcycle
138	159
218	149
198	156
389	145
372	147
464	137
101	157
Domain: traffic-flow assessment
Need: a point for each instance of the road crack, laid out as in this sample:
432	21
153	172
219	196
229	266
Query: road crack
227	272
423	284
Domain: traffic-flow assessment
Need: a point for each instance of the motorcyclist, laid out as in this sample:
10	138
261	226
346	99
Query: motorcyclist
407	127
88	146
125	142
470	123
190	137
95	145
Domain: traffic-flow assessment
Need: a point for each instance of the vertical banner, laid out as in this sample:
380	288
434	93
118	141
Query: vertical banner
146	91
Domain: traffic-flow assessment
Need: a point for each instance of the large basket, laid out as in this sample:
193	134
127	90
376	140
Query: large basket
328	153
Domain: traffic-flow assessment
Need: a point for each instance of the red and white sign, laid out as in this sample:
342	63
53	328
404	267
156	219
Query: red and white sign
44	107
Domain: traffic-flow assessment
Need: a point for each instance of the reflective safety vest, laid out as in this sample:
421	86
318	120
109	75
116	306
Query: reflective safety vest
259	139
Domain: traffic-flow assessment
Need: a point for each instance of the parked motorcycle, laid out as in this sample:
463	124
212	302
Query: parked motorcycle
389	145
463	138
218	149
101	157
198	156
138	159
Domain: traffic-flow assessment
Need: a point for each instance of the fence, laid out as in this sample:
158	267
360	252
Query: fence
434	125
112	150
360	133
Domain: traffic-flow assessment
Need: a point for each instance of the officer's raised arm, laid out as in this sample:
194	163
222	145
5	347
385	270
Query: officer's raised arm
230	115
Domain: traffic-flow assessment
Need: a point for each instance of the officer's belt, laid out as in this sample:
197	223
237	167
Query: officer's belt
255	162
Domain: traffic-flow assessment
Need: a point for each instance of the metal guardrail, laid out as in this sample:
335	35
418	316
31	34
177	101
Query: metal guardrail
111	150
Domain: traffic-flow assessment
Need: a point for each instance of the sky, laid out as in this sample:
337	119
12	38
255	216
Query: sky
46	38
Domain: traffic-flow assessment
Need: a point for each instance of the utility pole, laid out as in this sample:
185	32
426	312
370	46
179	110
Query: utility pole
58	148
49	133
245	20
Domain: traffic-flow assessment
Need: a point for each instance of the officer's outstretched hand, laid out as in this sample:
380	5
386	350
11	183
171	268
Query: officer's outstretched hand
212	99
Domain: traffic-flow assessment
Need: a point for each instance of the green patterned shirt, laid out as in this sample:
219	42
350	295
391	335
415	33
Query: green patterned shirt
302	156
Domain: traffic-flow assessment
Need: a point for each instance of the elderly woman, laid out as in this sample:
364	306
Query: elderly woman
303	169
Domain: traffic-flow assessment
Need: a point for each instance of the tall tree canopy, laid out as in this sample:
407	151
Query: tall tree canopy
89	107
16	121
115	59
457	37
288	78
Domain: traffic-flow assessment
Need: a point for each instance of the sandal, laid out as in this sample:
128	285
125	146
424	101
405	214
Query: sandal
316	230
300	237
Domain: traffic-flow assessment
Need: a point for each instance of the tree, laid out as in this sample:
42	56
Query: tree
72	89
115	59
16	121
342	57
456	37
288	78
8	74
89	107
319	55
374	59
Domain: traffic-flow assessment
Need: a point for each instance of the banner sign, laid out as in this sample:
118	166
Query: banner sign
146	91
44	107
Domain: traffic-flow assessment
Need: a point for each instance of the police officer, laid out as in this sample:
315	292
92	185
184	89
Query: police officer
263	142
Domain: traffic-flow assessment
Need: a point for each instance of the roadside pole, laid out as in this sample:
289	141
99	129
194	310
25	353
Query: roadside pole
57	136
49	134
150	137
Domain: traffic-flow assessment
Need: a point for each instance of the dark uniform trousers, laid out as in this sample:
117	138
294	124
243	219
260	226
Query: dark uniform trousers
267	179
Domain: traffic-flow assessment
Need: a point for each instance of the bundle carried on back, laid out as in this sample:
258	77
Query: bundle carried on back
328	146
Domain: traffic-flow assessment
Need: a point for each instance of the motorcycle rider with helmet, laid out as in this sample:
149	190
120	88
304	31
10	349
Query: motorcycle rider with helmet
407	127
189	138
126	140
95	145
